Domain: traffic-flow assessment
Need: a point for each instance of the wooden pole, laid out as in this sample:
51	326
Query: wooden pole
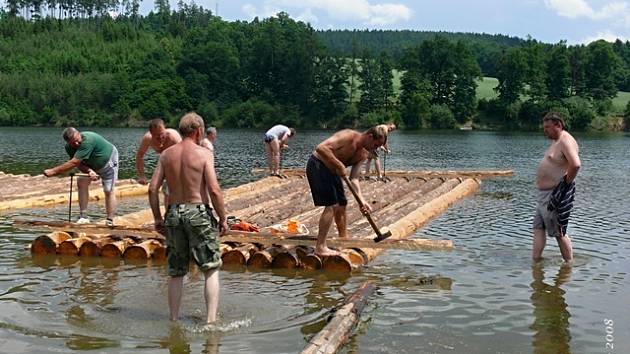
336	333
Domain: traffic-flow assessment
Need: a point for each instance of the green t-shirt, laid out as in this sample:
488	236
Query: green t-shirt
94	150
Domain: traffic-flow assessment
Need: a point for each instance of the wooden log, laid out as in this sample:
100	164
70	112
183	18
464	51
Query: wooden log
143	250
424	174
308	258
239	256
47	244
286	259
263	259
90	229
356	255
159	252
339	263
71	247
337	332
116	248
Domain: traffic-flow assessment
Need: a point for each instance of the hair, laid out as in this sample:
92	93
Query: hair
378	132
69	133
154	123
293	131
190	123
555	117
212	130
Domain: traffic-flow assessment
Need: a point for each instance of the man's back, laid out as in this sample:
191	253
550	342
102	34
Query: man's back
185	165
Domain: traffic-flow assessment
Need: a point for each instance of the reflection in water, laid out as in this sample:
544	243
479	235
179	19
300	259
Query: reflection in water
319	300
551	316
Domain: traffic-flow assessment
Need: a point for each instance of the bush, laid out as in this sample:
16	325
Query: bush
580	113
209	112
603	106
626	116
441	117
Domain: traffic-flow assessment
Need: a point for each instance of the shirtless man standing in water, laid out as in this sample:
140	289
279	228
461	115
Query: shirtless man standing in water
325	169
561	161
189	171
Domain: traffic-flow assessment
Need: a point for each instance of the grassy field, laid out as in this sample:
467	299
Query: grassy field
620	102
485	88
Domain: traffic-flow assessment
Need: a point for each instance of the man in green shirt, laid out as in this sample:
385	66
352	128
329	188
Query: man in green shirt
95	156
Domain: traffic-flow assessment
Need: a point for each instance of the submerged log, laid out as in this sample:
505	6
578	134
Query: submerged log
308	258
143	250
47	244
338	330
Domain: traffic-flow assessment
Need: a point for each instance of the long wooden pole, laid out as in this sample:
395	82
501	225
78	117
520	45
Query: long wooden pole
336	333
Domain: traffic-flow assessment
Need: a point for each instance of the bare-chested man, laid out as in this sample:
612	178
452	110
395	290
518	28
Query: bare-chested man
159	138
558	168
189	171
325	169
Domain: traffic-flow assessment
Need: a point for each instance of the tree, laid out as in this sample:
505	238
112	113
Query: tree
601	64
371	85
559	73
511	74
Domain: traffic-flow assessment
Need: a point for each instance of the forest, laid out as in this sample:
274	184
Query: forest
102	63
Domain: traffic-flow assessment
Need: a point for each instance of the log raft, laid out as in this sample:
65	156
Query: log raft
403	204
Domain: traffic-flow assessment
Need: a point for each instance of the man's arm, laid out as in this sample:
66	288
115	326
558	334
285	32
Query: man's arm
154	195
355	171
212	185
325	151
571	153
142	150
64	167
284	140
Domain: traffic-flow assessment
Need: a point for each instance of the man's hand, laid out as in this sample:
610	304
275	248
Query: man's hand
159	226
49	172
223	227
93	175
366	208
284	146
142	180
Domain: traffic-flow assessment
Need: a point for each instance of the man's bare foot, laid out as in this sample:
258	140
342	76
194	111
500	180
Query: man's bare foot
326	252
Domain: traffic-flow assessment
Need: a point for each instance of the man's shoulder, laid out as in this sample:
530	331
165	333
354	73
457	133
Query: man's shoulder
567	138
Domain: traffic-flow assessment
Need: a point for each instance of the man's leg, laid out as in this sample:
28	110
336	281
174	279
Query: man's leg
275	155
110	204
566	249
325	220
83	183
211	294
540	239
377	166
340	220
269	157
175	285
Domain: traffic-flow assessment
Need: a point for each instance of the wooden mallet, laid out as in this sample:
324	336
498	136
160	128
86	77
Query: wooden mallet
380	236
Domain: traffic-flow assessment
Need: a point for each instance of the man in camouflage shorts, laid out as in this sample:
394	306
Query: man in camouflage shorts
189	225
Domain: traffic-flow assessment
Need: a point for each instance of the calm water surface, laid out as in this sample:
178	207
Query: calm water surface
483	297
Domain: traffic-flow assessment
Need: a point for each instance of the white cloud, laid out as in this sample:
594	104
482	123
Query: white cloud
307	16
252	11
378	14
606	35
581	8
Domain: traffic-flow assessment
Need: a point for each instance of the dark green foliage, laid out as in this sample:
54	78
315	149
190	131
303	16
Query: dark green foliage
601	65
626	116
511	73
559	73
441	117
580	111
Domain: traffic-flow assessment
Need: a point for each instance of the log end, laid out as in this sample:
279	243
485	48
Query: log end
260	260
234	258
68	248
111	251
339	263
136	252
285	260
89	249
45	244
159	253
312	262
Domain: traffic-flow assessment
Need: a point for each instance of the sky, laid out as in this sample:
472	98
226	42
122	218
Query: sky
576	21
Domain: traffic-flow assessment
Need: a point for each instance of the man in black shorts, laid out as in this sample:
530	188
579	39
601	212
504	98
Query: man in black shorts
325	169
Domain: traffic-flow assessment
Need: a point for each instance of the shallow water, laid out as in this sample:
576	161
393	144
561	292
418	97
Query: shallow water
483	297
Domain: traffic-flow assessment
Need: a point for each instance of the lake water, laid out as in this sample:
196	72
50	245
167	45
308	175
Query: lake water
483	297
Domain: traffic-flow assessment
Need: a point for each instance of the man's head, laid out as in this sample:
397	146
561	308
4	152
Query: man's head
211	133
391	127
553	125
72	137
376	136
292	132
157	129
191	126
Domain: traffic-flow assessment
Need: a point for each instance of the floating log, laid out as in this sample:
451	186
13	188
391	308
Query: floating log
116	249
308	258
239	256
117	230
71	247
263	259
417	174
47	244
338	329
339	263
143	250
287	259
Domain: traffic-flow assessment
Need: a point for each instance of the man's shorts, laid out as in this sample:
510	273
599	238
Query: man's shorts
326	187
372	155
189	233
269	138
545	219
109	172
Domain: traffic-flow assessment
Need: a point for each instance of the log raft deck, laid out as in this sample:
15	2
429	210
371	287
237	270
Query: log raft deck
403	204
